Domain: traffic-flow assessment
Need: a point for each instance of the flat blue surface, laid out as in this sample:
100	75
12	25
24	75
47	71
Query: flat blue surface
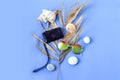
19	56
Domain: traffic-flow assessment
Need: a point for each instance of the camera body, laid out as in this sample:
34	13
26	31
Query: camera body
52	35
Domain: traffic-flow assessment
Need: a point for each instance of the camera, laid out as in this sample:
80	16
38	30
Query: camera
52	35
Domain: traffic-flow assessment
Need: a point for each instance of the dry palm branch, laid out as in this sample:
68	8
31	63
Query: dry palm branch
71	38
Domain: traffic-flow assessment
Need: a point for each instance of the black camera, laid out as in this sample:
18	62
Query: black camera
53	35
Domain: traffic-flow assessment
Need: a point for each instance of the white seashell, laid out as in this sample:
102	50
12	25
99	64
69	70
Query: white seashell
70	28
47	16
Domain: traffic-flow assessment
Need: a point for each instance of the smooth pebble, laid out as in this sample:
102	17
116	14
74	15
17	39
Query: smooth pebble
86	39
73	60
50	67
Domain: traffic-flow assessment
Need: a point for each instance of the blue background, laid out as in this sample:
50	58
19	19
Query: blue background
19	56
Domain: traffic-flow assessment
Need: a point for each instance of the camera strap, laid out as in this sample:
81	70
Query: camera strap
38	69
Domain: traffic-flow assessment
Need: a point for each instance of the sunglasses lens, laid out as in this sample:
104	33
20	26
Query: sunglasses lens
77	49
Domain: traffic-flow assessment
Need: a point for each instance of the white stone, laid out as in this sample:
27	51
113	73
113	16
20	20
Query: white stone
47	16
86	39
50	67
73	60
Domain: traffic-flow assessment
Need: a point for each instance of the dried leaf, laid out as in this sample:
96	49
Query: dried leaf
64	53
54	45
75	13
48	25
54	25
60	19
69	37
43	28
78	34
72	6
63	15
67	34
49	47
44	52
79	21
